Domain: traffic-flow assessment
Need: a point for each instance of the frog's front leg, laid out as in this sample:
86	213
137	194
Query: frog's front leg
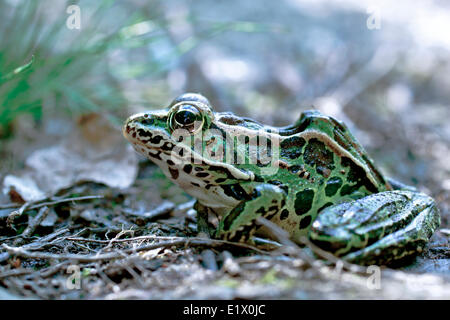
378	229
239	224
203	227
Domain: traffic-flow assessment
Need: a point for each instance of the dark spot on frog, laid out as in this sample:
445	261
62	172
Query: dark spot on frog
231	120
300	126
170	162
144	133
325	206
356	175
211	140
230	217
295	141
258	178
156	156
282	165
340	139
202	174
284	214
187	168
174	173
236	157
235	191
156	139
333	185
291	153
292	147
349	189
317	154
221	170
338	124
303	201
195	184
305	222
325	172
220	180
261	210
147	122
304	174
296	168
134	134
261	164
280	184
167	146
271	215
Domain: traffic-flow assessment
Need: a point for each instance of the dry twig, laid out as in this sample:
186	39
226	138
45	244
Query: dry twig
194	242
282	236
15	214
33	224
32	205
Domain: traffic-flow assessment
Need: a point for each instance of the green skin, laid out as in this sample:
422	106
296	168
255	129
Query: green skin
319	183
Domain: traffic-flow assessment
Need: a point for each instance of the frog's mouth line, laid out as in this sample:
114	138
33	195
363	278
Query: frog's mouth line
186	156
171	153
185	159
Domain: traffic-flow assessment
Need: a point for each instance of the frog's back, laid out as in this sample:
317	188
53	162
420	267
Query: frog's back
326	144
321	164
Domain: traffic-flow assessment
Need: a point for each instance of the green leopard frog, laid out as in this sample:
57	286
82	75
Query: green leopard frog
312	179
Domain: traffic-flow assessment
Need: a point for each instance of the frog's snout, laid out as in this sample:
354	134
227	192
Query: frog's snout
136	124
146	127
129	126
126	128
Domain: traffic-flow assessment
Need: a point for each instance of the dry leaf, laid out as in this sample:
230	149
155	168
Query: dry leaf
94	152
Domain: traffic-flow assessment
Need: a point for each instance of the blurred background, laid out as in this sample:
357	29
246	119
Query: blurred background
382	68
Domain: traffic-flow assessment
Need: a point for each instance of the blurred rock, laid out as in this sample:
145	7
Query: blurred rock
94	152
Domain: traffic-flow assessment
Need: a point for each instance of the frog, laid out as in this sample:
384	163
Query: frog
313	179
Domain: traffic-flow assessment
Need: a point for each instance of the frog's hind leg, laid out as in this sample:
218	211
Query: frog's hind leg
382	228
400	245
239	224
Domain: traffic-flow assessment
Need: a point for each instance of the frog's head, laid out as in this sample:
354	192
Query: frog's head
188	141
154	133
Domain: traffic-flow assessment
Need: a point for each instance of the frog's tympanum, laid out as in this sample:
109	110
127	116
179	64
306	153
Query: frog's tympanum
312	179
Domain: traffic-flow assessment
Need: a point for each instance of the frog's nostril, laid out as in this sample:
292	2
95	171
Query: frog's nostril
147	122
128	126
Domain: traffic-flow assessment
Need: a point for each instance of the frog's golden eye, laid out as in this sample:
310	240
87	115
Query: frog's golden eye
187	117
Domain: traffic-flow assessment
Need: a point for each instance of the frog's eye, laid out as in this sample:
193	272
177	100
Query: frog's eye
186	117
